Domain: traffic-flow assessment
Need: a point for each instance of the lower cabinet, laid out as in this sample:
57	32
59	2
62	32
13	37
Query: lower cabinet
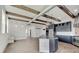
75	40
67	39
48	45
44	45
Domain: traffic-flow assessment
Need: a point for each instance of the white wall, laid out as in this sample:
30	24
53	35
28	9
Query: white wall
3	42
17	29
20	30
0	18
3	35
36	31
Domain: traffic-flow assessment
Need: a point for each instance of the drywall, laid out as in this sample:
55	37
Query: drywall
0	18
19	30
3	35
3	20
36	31
0	23
3	42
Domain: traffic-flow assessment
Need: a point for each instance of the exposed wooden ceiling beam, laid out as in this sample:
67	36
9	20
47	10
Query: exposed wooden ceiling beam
35	12
17	19
41	13
26	9
25	20
66	10
38	23
18	15
42	20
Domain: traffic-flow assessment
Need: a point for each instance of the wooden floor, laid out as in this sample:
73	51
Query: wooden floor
67	48
31	46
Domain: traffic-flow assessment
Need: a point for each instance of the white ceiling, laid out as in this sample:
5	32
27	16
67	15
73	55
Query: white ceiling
55	12
37	7
73	8
58	13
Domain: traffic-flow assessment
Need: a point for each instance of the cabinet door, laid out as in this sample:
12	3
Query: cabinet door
43	45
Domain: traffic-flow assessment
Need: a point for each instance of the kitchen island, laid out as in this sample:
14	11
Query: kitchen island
47	44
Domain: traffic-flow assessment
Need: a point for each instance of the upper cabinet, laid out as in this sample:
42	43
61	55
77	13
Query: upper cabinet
63	27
